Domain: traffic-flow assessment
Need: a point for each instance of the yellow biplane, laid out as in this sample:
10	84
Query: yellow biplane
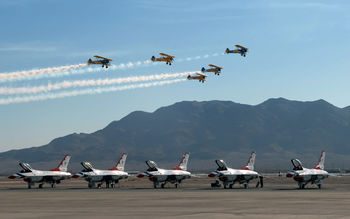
100	61
240	49
214	68
168	59
199	76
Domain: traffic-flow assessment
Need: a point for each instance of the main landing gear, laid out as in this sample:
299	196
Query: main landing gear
215	184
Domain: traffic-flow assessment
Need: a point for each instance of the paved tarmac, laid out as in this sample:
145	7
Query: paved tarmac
135	198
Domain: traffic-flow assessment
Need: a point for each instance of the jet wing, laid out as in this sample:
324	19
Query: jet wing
100	57
49	178
214	66
163	54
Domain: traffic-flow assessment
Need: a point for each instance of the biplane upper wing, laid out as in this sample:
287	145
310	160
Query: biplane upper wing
100	57
200	74
214	66
242	47
163	54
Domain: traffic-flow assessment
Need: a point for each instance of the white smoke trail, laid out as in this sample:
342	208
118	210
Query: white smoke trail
73	69
197	57
120	66
90	91
37	72
85	83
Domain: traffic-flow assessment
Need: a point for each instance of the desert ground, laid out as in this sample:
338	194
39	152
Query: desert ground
135	198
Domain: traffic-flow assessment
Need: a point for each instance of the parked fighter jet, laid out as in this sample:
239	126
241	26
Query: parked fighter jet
214	68
54	176
230	176
100	61
168	59
174	176
240	49
110	177
303	176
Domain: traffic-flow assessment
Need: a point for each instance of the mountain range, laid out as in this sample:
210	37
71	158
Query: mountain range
277	129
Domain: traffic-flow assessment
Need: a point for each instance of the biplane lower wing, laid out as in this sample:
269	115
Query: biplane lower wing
98	63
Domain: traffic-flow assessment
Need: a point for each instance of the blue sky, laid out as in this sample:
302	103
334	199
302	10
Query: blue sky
297	49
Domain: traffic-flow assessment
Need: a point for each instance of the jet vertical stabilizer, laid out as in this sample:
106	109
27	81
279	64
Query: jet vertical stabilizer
250	163
63	166
121	163
320	165
183	163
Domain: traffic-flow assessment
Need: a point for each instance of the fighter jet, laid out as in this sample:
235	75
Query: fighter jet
303	176
54	176
229	176
174	176
110	176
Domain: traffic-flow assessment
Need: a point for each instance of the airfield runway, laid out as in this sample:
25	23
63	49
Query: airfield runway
135	198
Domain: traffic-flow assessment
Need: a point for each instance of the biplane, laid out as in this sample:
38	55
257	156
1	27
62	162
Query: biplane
168	59
199	76
240	49
214	68
100	61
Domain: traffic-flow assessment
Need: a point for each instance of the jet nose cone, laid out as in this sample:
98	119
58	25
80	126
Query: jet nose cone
140	175
76	176
12	177
212	174
290	174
